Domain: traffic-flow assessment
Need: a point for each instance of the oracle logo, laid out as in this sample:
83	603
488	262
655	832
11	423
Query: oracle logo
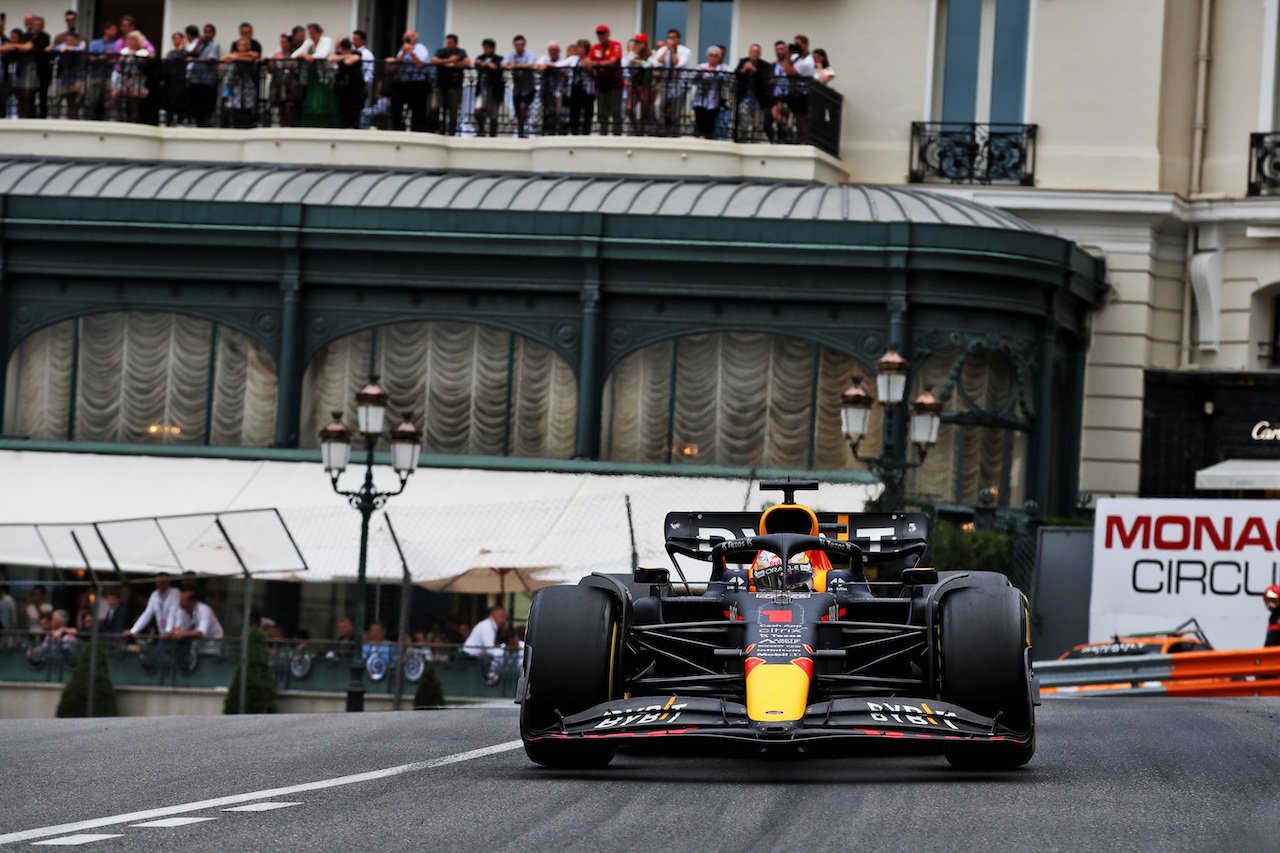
1264	431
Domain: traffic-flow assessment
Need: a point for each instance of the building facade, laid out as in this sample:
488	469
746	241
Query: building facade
1139	131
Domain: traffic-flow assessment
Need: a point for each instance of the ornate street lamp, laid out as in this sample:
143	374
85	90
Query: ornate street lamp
855	415
335	449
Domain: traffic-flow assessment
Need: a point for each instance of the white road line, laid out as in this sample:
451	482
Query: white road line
261	807
164	811
173	821
73	840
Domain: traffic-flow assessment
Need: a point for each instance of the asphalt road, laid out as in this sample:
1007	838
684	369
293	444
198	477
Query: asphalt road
1110	774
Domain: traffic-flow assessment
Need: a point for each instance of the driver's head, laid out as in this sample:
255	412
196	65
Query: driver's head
1272	596
772	576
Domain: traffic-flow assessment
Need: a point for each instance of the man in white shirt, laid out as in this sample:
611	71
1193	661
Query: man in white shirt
162	606
673	61
485	639
487	634
554	84
359	40
196	621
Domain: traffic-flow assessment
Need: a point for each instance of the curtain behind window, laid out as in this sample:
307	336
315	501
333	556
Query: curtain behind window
483	390
144	377
740	398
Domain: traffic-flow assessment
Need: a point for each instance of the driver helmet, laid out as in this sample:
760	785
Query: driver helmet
1272	596
772	576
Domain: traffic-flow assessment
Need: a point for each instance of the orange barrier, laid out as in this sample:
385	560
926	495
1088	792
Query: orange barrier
1243	672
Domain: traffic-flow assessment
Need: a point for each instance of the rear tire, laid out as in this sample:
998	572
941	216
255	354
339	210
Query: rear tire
571	664
983	669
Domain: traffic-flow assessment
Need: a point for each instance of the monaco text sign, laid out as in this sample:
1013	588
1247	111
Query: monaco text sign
1159	562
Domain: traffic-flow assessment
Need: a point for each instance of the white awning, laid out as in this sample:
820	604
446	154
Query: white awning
1240	474
448	520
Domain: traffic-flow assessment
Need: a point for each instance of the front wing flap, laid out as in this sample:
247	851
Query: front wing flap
837	719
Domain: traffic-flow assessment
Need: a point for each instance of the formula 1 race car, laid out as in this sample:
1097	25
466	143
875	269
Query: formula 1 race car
788	651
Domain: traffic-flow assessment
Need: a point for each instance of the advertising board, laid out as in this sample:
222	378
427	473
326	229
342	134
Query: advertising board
1158	562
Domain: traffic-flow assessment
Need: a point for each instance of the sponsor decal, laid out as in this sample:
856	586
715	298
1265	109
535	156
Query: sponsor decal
911	715
777	615
645	716
1115	649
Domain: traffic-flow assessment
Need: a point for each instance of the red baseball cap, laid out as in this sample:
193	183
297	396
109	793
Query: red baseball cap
603	28
642	38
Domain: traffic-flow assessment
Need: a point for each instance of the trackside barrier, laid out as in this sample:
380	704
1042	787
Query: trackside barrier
1243	672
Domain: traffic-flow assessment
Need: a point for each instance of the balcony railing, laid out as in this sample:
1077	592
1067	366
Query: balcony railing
471	102
972	153
1264	163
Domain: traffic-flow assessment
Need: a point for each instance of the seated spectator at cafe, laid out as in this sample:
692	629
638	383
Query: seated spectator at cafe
31	610
59	636
116	618
196	622
8	610
376	650
486	636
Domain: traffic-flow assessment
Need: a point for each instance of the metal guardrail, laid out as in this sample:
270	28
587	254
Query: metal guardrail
297	665
389	95
959	152
1243	672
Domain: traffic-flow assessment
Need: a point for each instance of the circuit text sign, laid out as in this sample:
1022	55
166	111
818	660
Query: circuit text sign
1159	562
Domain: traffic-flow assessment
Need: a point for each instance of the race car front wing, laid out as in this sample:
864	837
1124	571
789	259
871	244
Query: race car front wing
837	719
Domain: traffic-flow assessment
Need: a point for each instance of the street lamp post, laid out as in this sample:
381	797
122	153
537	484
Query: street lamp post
855	414
335	448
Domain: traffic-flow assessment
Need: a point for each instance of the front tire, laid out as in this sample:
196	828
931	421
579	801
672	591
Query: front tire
984	645
571	664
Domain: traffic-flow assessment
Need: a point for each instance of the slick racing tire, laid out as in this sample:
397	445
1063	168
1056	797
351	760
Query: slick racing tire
571	663
982	666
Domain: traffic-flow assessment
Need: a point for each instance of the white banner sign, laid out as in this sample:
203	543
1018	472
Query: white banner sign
1159	562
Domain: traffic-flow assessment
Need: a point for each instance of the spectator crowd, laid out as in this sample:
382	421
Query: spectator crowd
645	87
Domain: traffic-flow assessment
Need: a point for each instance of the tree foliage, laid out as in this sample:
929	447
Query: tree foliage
957	548
430	692
261	698
75	695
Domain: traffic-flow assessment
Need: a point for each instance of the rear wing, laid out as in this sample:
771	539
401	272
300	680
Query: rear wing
872	532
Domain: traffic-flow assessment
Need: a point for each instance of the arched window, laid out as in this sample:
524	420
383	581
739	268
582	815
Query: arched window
142	377
731	398
474	389
983	440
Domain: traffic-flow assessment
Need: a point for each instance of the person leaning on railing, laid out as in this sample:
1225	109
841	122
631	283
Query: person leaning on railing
582	91
449	62
348	83
97	84
203	93
71	74
707	93
410	70
129	82
240	72
489	88
604	62
285	83
639	64
19	72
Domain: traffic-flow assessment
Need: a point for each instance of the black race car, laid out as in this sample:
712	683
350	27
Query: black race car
788	650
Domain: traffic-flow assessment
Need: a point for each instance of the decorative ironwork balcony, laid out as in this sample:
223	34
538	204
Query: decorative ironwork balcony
1264	164
970	153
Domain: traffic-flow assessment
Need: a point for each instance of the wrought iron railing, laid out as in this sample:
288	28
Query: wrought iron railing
1264	163
972	153
471	102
